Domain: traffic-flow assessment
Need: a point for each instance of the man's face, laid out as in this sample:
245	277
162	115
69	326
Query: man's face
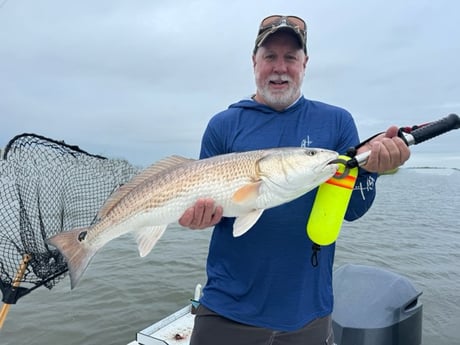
279	68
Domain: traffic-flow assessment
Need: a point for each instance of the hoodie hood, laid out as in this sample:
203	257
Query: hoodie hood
250	104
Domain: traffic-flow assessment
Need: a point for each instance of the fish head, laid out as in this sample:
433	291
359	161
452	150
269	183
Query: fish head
293	171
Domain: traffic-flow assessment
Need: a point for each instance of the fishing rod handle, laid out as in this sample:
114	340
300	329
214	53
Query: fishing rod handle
433	129
417	136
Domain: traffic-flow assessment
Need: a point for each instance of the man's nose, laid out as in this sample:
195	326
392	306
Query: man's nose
280	66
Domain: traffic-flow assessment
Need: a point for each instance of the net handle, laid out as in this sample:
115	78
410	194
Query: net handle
16	282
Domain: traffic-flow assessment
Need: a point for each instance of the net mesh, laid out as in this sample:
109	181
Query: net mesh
47	187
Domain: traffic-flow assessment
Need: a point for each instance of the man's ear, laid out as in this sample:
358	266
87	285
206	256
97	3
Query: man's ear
305	62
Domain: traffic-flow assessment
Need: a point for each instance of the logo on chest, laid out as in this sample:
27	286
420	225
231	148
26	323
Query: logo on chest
306	142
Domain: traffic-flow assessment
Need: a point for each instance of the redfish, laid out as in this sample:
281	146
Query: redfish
244	184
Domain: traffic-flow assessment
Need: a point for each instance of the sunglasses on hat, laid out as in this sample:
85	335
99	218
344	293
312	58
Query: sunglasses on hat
271	24
277	20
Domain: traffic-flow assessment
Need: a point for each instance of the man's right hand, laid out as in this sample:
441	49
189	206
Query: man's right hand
202	215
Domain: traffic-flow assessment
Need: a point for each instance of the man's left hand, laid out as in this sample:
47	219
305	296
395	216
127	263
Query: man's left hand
388	152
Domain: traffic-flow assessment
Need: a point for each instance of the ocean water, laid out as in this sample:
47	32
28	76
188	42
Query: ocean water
413	229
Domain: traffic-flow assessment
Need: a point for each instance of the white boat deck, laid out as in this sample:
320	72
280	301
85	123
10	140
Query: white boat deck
175	329
172	330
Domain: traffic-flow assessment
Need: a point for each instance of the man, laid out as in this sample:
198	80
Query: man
263	287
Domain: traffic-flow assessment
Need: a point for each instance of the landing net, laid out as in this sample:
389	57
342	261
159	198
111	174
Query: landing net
47	187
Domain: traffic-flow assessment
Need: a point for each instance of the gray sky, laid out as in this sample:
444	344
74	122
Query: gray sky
140	79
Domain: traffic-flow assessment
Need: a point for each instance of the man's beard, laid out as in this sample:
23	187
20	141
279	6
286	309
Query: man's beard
279	99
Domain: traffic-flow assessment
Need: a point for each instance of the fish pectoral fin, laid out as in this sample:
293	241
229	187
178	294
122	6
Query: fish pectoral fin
147	237
247	193
244	223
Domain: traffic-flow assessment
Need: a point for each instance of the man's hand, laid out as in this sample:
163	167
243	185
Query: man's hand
388	152
202	215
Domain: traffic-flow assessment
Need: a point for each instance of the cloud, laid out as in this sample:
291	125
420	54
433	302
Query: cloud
140	79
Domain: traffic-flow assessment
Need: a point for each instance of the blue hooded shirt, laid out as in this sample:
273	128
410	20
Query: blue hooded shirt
265	278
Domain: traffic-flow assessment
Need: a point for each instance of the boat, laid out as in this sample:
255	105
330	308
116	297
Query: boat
372	306
174	329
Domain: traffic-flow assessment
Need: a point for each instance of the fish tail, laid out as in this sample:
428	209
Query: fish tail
77	252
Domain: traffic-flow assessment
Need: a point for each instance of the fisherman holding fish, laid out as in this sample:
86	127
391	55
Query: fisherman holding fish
261	161
262	287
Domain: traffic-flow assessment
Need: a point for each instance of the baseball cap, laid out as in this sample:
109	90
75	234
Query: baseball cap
272	24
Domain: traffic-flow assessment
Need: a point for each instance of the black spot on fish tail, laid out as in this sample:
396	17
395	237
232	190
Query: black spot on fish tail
82	235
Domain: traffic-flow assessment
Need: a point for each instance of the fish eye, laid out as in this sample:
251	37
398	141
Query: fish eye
310	153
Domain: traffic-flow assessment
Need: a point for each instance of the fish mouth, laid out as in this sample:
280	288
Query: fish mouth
326	166
344	163
336	161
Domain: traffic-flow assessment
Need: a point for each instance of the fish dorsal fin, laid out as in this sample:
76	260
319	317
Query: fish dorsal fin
123	190
244	223
247	193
